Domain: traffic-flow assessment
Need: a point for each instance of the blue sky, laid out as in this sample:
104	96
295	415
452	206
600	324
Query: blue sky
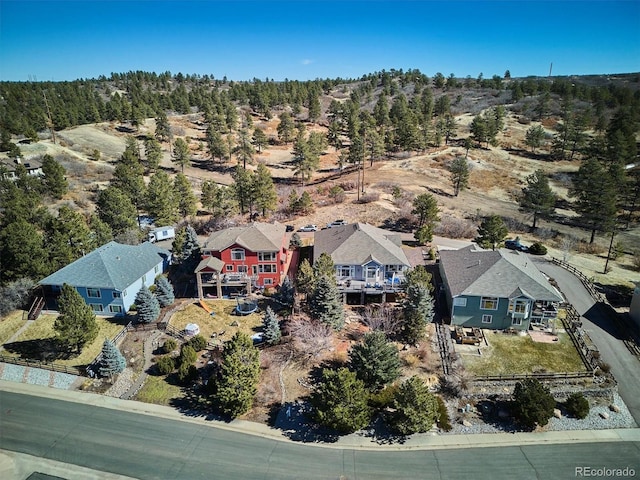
304	39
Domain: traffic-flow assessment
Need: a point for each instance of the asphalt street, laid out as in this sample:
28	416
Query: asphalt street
151	447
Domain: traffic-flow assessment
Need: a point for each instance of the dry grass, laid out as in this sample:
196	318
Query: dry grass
42	329
514	354
222	320
10	324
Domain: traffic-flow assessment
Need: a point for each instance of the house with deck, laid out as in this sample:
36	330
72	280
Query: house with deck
369	261
237	260
496	289
109	277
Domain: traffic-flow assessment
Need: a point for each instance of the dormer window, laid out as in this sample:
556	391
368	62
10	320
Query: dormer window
237	254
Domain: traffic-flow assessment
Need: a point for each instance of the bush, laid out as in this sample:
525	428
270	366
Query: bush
538	249
370	197
187	355
443	416
169	345
187	373
384	398
165	364
198	343
577	405
533	403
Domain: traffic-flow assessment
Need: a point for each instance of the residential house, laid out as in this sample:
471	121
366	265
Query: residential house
8	167
368	260
109	277
238	259
496	289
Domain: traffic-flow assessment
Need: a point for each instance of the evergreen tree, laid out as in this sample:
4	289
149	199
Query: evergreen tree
537	198
164	291
116	210
181	155
426	208
163	130
264	190
190	252
595	197
305	279
76	325
415	408
216	144
285	127
533	403
260	139
243	189
340	401
296	241
491	232
244	149
271	327
153	153
325	303
128	175
217	199
286	293
418	311
148	307
22	253
375	360
236	385
111	362
183	193
324	267
160	200
54	177
459	169
534	137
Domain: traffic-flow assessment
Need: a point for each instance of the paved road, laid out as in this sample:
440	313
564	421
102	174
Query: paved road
150	447
624	366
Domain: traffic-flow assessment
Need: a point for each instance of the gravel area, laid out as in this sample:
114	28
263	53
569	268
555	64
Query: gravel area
13	373
37	376
593	421
122	383
63	381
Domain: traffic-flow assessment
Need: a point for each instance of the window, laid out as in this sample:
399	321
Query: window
156	269
237	254
229	268
269	268
115	308
489	303
96	307
345	271
371	273
242	269
516	321
144	279
460	302
268	281
93	292
266	256
487	318
116	294
520	307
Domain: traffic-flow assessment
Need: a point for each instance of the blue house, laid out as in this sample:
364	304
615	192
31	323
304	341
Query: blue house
109	277
496	289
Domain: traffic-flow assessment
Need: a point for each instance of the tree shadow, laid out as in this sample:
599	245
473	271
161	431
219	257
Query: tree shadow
43	350
603	316
295	423
497	413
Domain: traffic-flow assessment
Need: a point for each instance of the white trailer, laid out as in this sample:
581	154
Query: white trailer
161	233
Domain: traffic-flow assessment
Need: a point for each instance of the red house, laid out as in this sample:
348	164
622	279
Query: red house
239	259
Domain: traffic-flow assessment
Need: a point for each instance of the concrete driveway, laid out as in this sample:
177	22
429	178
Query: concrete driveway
604	333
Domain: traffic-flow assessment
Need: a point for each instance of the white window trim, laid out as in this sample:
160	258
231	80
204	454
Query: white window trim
482	299
116	294
89	290
240	252
516	321
460	302
97	307
487	318
229	268
267	256
268	281
115	308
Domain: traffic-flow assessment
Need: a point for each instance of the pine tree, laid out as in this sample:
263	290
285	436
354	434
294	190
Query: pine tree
190	253
416	409
164	291
54	177
324	267
271	326
286	293
181	155
375	360
491	232
534	137
264	190
163	130
116	210
259	139
305	279
153	153
183	193
533	403
112	362
459	169
418	311
76	325
426	208
243	189
161	201
537	197
325	303
340	401
148	307
236	385
285	127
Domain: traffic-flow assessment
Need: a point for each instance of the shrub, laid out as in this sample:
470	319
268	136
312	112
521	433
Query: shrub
370	197
383	398
187	373
198	343
187	355
533	403
443	416
538	249
169	345
166	364
577	405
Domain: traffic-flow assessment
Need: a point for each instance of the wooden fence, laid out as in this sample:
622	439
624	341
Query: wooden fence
588	284
538	376
56	367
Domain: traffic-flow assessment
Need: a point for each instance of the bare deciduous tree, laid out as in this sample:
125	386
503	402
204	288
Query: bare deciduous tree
383	317
310	339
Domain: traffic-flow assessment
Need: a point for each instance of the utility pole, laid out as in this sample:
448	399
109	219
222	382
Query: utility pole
606	265
49	120
550	68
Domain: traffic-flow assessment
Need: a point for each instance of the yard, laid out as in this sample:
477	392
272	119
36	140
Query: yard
36	341
10	324
515	354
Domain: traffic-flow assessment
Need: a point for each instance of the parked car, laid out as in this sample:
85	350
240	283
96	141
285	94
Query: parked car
309	228
289	228
336	223
516	245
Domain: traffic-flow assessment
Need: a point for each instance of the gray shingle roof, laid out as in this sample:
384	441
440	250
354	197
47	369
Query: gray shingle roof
113	265
257	237
501	273
359	243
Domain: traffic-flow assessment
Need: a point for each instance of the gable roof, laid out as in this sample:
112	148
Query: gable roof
257	237
113	266
501	273
358	244
210	263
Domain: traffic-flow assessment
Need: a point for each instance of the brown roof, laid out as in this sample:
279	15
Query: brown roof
257	237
